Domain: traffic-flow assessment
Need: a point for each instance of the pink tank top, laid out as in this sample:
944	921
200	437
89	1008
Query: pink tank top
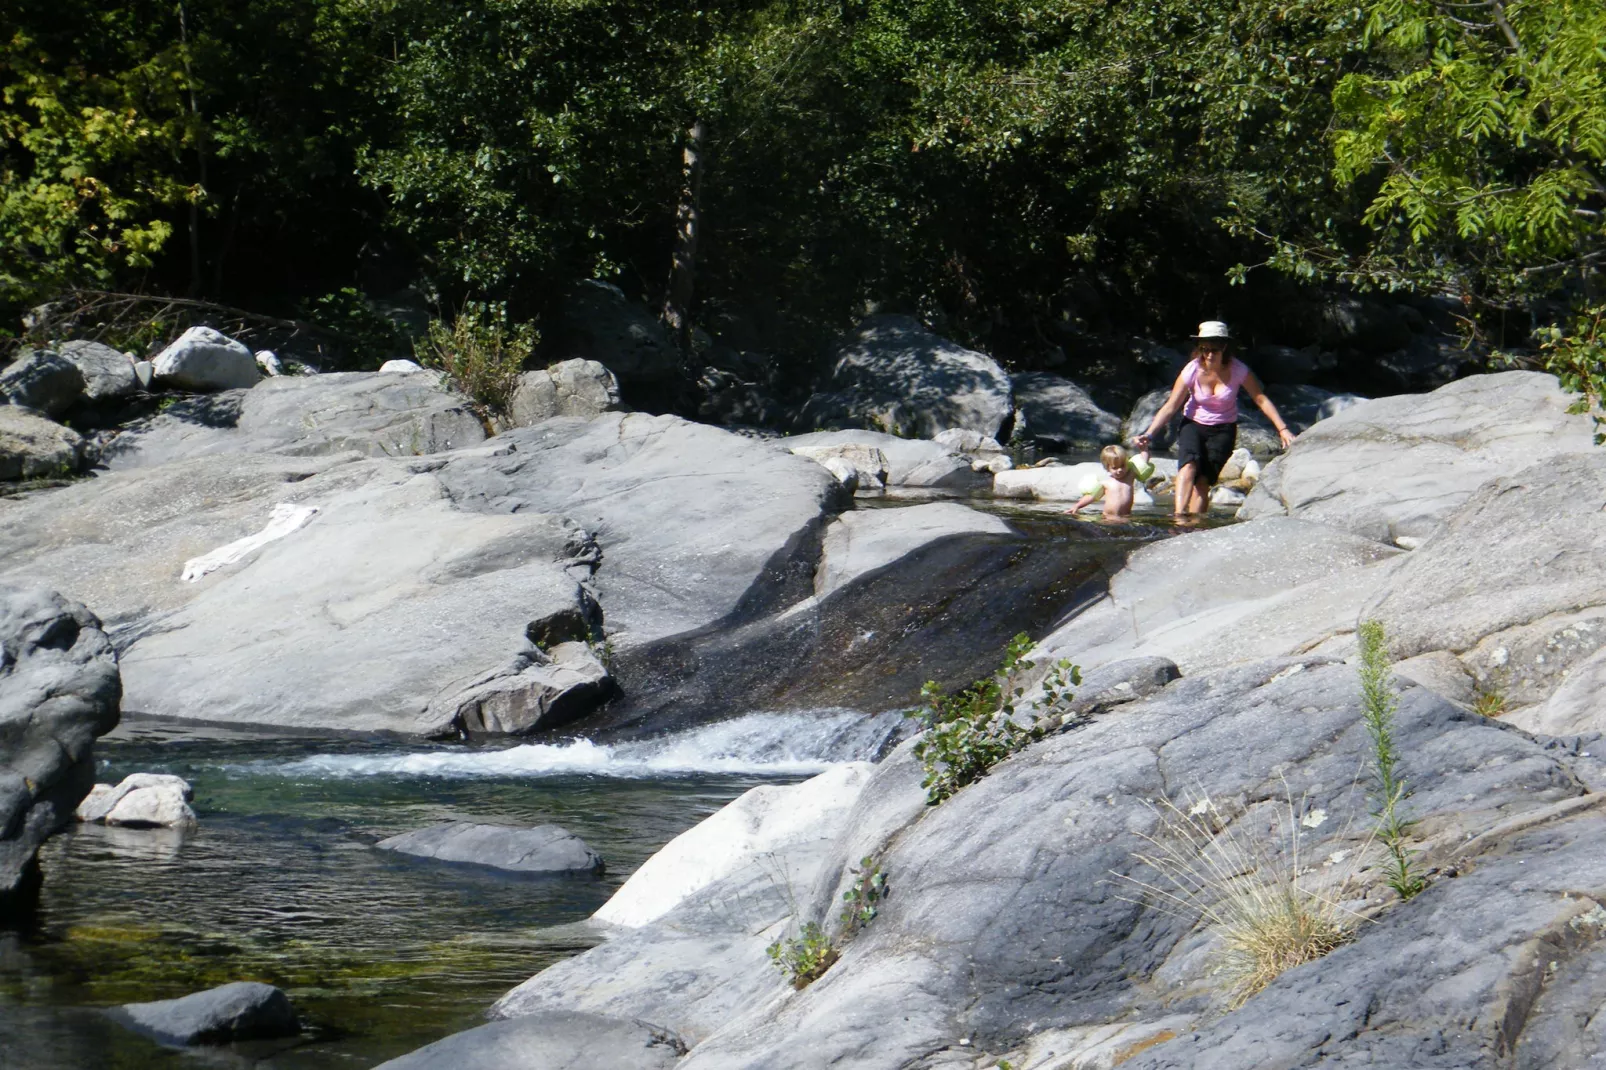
1221	407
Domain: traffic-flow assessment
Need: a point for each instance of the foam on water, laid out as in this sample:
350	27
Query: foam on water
757	743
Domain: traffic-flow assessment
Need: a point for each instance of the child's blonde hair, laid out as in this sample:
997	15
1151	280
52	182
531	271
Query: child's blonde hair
1114	457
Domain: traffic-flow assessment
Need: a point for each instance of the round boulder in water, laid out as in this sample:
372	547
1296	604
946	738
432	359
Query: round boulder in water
542	849
244	1010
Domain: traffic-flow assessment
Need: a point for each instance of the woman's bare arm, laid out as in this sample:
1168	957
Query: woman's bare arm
1257	394
1178	391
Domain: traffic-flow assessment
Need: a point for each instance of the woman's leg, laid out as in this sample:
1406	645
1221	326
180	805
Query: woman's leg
1186	489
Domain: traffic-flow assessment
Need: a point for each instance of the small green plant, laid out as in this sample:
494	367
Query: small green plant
863	899
365	335
482	353
1489	701
1577	357
804	957
1249	887
968	733
1378	703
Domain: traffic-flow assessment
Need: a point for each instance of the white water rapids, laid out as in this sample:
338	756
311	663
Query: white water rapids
756	743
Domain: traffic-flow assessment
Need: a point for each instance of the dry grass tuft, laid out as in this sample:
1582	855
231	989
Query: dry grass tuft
1249	888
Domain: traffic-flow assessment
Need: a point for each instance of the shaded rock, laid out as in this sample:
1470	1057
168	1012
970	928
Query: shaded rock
1427	363
1287	365
1060	415
1143	411
1396	467
1367	324
59	690
536	690
204	360
1441	672
725	397
243	1010
42	380
1302	406
108	374
140	800
909	462
32	447
894	374
570	388
600	324
865	540
550	1040
541	849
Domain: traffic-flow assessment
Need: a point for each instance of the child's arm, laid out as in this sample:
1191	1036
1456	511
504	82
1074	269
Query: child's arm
1082	503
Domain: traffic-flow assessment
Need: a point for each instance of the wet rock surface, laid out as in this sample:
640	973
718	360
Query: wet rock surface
542	849
244	1010
59	690
552	1040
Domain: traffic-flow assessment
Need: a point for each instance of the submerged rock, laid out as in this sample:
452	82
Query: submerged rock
541	849
243	1010
59	690
550	1040
140	800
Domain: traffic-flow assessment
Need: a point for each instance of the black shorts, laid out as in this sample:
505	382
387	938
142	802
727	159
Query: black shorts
1206	446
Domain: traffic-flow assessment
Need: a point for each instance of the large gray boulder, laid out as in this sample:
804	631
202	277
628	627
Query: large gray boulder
377	415
42	380
541	849
108	374
1514	583
204	360
1394	468
59	690
399	603
894	374
1058	414
32	447
569	388
1009	923
909	462
243	1010
550	1040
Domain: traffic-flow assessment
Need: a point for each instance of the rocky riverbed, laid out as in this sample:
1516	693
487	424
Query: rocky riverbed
315	578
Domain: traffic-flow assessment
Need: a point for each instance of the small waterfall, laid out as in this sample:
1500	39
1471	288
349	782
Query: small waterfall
756	743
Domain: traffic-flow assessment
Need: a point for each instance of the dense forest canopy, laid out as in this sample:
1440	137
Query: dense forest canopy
999	167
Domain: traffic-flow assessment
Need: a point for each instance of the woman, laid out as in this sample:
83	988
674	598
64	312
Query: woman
1207	390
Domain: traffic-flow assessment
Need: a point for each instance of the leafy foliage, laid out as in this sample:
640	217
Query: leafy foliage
864	898
968	733
804	957
482	353
1378	704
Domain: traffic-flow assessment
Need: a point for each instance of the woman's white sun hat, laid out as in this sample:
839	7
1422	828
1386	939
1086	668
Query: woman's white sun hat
1213	329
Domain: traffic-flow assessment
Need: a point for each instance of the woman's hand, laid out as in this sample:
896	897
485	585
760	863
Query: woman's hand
1142	441
1286	437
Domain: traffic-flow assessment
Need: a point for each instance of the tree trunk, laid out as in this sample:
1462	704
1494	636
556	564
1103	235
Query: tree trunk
676	312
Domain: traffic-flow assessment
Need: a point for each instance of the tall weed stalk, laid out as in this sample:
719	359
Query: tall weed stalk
1378	705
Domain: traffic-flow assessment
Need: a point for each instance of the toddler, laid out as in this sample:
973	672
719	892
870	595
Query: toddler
1115	486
